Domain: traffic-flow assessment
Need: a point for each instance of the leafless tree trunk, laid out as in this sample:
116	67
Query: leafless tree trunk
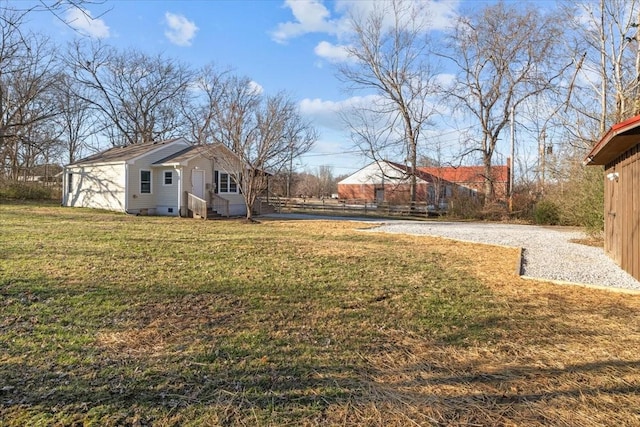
28	70
504	55
389	56
261	132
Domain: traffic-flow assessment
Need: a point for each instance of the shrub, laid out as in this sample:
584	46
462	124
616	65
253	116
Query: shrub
24	191
465	206
580	197
546	212
524	203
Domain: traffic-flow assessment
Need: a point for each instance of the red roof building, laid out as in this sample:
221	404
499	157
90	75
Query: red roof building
474	177
387	181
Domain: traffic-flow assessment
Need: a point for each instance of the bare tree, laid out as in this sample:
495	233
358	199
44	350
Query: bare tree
75	123
505	55
389	56
10	10
325	181
607	47
261	132
28	70
137	97
200	108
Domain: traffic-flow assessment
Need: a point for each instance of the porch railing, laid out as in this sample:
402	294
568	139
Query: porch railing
197	206
220	204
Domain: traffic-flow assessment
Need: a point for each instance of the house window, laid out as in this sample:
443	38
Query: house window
69	183
226	183
145	182
168	178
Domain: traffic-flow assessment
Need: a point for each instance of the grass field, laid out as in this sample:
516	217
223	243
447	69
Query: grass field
108	319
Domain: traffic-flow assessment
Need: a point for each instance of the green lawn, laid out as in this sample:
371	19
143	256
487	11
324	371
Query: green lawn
107	319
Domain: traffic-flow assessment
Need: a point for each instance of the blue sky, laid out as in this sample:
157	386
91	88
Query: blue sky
290	45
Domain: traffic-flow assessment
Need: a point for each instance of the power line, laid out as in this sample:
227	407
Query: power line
330	154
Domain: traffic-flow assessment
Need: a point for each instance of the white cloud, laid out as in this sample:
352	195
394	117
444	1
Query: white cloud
437	14
445	79
82	21
331	52
442	14
328	113
255	87
311	16
181	31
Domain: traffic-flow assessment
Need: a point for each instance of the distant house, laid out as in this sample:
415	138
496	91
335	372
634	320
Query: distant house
158	178
474	178
45	173
387	181
619	152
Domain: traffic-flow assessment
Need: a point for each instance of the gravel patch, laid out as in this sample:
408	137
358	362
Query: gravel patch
547	253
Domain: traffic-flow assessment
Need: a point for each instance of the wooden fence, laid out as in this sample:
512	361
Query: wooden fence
352	207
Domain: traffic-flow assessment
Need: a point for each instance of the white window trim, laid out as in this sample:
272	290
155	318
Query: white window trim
69	182
150	181
226	190
164	178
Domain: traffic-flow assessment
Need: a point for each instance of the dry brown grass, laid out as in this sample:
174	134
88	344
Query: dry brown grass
297	323
564	356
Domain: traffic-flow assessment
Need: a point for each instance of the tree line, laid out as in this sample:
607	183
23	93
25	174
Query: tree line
561	75
59	104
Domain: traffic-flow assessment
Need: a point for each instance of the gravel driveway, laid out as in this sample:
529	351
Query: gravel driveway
547	253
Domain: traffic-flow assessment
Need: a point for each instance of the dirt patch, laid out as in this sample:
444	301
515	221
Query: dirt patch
596	242
158	328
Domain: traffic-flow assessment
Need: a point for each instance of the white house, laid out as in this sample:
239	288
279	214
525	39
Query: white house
157	178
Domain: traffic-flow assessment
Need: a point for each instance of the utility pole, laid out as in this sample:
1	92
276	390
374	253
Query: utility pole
543	159
290	171
513	135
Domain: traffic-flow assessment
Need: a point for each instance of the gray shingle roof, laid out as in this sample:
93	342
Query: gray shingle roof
183	155
121	154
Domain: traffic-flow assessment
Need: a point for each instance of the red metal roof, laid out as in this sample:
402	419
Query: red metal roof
616	141
467	174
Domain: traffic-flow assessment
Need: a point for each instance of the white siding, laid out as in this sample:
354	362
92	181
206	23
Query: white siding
166	195
198	163
100	187
237	207
137	201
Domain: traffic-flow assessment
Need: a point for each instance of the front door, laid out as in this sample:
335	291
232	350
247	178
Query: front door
198	183
379	195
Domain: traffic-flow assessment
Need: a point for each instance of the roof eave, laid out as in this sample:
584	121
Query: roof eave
82	164
621	135
168	165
